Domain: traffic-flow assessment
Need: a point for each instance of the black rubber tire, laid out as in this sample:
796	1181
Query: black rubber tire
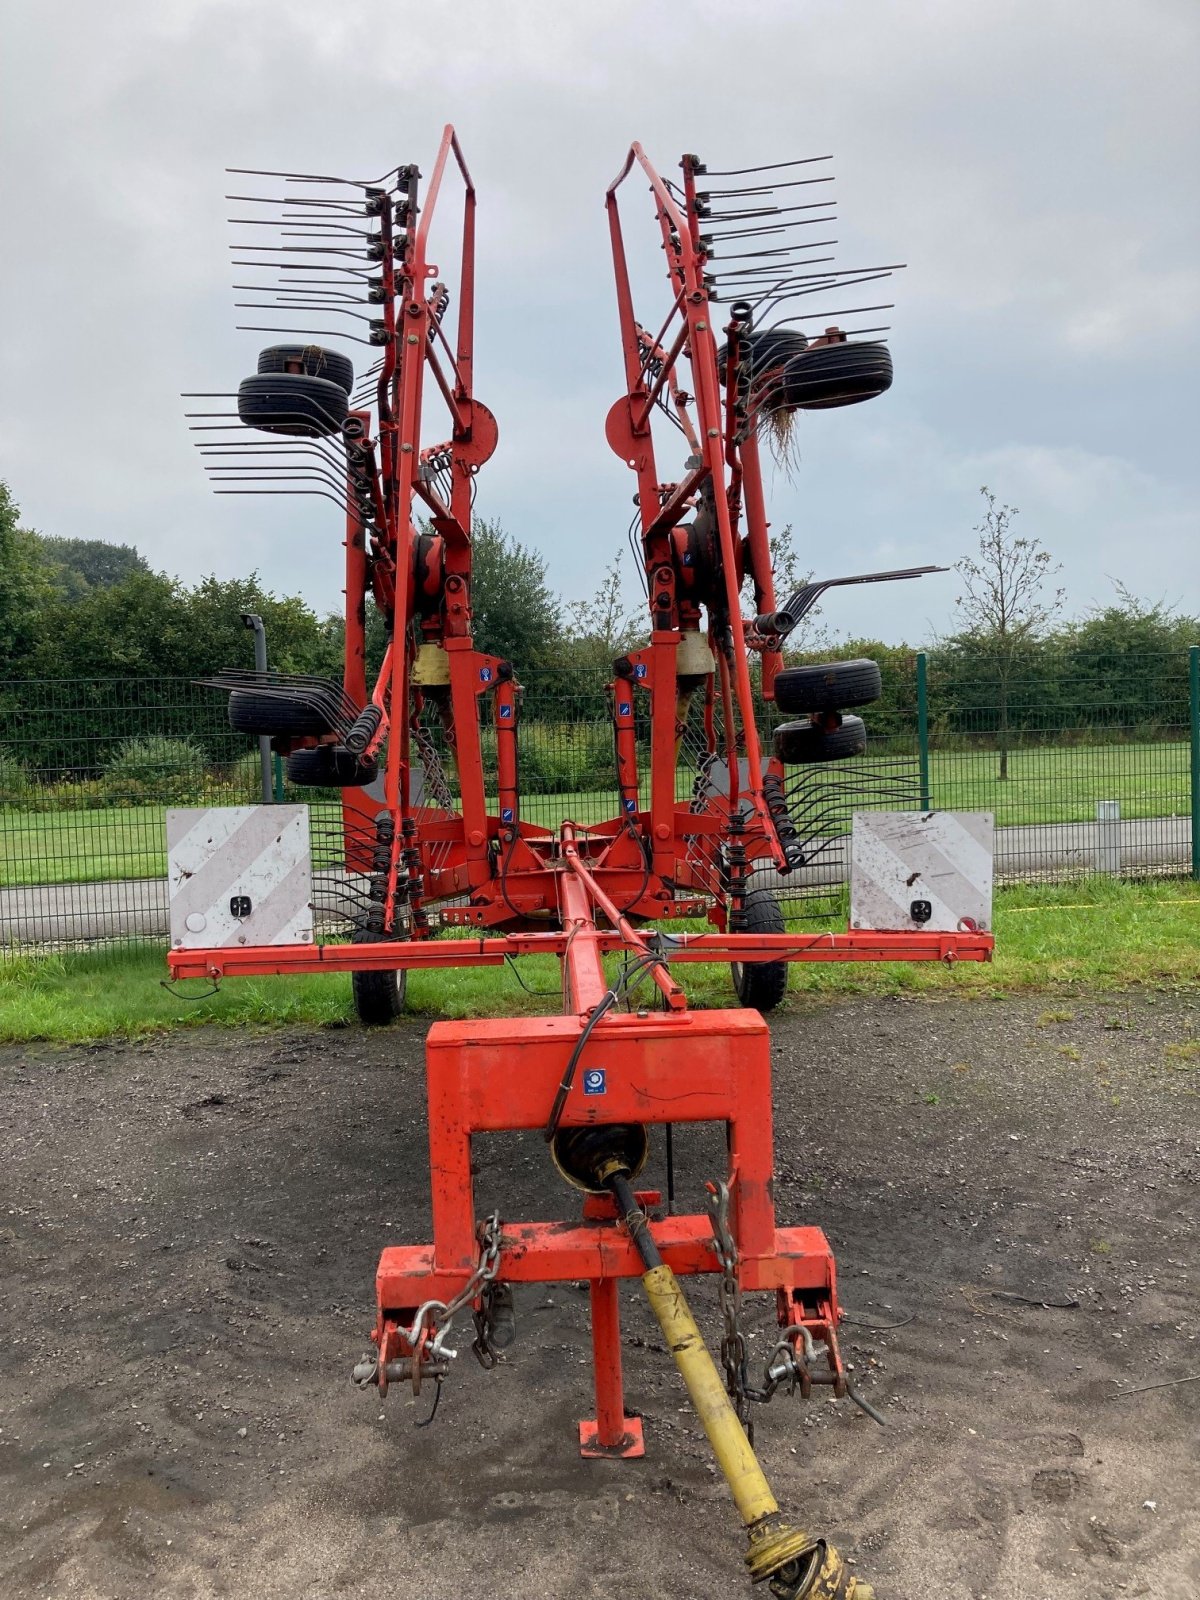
761	351
291	403
763	364
312	359
378	996
836	375
797	743
761	985
330	766
279	715
828	686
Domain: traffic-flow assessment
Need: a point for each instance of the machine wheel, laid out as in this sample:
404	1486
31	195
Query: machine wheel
311	359
764	361
331	766
836	375
378	996
292	403
797	743
277	714
828	686
761	985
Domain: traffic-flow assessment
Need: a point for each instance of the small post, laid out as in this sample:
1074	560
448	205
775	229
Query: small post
253	621
1194	705
612	1433
1108	845
923	730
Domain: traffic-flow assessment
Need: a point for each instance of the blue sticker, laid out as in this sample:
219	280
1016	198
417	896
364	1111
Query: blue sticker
631	805
505	713
506	814
640	670
485	674
593	1080
687	558
625	709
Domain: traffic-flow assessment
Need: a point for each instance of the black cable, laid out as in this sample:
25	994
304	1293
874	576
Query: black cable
879	1327
603	1007
205	994
505	863
544	994
437	1398
568	1078
645	883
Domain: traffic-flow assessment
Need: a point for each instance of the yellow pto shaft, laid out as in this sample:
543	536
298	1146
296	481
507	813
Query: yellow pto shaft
802	1568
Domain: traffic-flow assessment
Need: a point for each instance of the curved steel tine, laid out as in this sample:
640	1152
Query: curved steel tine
325	333
741	172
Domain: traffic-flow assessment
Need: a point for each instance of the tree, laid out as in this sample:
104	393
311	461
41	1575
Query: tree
151	626
515	613
23	587
603	628
1127	662
76	566
1003	604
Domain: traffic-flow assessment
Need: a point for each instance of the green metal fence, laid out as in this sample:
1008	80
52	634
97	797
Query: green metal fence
1088	763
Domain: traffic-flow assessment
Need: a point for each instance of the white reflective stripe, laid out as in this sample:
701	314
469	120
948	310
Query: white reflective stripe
898	857
219	856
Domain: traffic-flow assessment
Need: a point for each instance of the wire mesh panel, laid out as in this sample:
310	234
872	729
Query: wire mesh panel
87	771
1084	759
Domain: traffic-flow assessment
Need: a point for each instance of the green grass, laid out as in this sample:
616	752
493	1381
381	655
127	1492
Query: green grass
125	842
1092	935
1061	783
43	847
1056	784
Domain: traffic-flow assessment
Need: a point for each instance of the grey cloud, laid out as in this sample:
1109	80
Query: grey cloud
1031	162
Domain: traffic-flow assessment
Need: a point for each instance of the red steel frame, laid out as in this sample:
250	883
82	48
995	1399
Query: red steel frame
581	894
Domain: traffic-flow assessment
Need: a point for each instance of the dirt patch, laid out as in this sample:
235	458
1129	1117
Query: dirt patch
188	1235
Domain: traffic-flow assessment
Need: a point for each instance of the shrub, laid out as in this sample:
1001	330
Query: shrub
566	757
16	786
155	768
245	780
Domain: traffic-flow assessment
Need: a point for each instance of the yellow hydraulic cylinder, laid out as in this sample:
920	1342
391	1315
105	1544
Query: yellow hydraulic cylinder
803	1568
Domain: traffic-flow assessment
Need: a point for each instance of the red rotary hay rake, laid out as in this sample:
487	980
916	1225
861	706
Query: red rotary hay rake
434	838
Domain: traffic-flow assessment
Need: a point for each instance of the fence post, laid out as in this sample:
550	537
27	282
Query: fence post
254	622
923	732
1194	708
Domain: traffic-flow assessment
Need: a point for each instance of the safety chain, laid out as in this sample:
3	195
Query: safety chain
783	1366
440	1314
733	1340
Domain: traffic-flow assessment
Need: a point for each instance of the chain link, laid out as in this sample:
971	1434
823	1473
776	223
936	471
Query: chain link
440	1314
784	1365
729	1291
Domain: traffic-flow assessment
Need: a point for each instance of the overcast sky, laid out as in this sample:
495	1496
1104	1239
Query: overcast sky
1033	163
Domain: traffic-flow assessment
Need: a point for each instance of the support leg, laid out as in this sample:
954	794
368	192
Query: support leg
611	1433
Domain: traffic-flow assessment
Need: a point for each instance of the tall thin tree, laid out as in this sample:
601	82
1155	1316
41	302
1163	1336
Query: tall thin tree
1004	604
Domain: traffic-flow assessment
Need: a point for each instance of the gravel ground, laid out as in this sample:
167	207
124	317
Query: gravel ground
188	1234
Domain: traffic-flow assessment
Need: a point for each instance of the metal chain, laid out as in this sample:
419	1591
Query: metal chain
784	1365
733	1340
440	1314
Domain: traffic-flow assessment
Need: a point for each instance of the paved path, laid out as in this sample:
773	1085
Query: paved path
48	914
